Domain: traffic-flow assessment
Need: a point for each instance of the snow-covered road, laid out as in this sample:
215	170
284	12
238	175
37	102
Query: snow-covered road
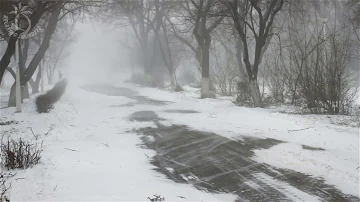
129	143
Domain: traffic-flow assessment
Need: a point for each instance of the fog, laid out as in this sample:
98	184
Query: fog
203	100
97	55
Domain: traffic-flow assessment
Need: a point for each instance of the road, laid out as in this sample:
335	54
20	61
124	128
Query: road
213	163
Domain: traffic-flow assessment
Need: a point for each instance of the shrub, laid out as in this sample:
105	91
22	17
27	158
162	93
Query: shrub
243	93
4	185
45	102
20	154
137	78
5	123
178	88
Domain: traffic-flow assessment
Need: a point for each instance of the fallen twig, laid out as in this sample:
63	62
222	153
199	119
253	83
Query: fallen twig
181	197
35	136
157	198
71	149
71	104
55	188
289	131
52	126
105	144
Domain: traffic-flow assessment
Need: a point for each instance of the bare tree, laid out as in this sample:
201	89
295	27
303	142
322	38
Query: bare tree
30	70
162	37
254	18
225	69
51	12
41	8
318	55
141	18
202	17
58	52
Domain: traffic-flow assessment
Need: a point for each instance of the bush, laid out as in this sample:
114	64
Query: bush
178	88
243	93
137	78
4	185
45	102
6	123
20	154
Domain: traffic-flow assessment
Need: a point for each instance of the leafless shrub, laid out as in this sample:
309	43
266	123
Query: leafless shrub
20	154
274	76
5	123
325	81
243	93
178	88
224	72
5	185
45	102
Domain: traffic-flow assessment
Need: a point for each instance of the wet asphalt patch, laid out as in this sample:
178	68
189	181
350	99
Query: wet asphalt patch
216	164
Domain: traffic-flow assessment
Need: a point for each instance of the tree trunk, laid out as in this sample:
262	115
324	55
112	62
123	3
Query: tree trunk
255	93
145	57
49	73
173	79
25	92
5	60
35	84
23	55
2	83
12	96
239	48
205	87
205	72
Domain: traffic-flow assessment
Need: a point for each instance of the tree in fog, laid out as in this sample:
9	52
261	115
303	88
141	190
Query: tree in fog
201	17
226	70
48	14
141	17
26	73
254	18
162	37
205	15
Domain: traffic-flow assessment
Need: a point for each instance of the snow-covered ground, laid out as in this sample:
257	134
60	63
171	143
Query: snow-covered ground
91	154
